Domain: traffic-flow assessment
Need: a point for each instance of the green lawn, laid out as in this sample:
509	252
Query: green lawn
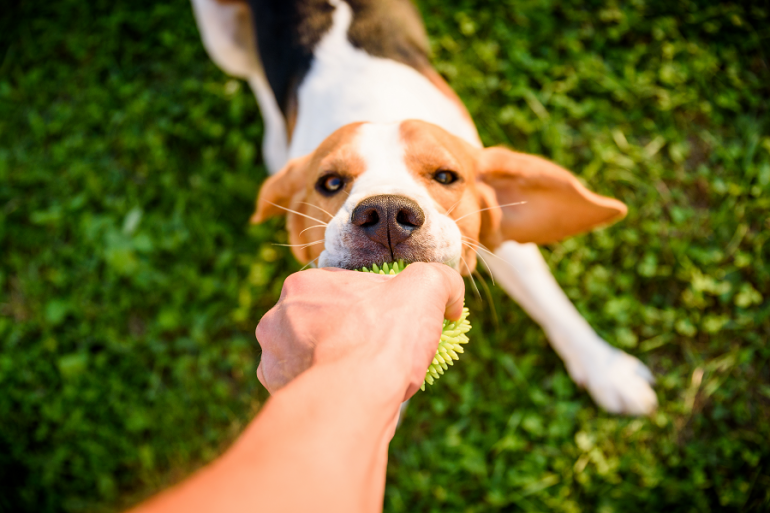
131	283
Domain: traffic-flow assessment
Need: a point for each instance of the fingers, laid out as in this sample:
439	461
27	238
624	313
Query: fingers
293	334
261	376
267	334
261	334
438	281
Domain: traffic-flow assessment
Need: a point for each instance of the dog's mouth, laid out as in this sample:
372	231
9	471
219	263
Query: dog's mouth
362	253
354	261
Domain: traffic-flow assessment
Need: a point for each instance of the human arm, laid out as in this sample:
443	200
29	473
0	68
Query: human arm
341	351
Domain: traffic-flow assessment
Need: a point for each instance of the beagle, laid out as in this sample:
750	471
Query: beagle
374	158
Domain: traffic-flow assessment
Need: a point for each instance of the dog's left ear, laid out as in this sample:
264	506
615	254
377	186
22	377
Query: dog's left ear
280	189
556	204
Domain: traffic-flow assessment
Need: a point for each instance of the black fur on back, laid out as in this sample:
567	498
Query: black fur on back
289	30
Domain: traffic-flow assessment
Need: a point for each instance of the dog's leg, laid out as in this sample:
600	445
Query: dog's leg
227	30
617	381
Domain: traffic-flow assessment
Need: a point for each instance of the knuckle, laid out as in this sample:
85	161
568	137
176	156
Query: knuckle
291	283
421	268
260	331
431	273
298	282
264	328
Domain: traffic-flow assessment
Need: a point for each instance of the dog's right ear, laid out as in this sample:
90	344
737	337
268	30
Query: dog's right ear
278	191
554	204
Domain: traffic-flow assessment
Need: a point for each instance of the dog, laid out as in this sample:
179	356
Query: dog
360	129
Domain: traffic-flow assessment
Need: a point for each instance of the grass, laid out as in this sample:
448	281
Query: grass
130	281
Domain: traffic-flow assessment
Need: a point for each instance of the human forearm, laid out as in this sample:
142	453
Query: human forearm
328	433
319	444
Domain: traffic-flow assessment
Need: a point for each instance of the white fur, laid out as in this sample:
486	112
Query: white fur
617	381
381	148
228	35
346	85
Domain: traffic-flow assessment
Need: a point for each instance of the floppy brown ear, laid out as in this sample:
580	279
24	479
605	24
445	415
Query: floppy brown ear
279	189
557	204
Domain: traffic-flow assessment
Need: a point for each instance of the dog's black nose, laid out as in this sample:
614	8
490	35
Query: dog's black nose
388	219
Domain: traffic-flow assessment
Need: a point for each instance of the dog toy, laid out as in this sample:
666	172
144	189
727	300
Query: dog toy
453	334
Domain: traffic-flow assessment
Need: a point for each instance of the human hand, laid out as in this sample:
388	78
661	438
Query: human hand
388	325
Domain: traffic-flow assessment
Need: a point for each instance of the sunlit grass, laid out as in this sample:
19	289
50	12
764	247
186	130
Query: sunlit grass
131	282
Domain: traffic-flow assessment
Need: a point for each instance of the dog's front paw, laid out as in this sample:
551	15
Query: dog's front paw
620	383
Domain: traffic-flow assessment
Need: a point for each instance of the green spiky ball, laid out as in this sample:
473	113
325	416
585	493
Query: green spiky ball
453	335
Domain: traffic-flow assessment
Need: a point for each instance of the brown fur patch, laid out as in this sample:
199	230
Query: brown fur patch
294	188
430	149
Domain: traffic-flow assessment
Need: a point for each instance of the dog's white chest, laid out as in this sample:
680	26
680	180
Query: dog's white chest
346	85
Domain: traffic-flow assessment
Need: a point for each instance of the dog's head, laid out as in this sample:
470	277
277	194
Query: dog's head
373	193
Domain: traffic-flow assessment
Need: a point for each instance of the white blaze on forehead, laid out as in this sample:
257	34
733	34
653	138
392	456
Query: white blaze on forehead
382	150
346	84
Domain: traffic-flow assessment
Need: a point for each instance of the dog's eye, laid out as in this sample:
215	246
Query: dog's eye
445	177
330	184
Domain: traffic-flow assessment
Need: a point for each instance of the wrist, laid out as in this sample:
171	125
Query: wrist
328	406
366	380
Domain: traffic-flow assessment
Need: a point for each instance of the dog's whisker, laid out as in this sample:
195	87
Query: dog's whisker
311	227
490	299
310	263
489	269
481	279
490	208
474	247
301	245
478	254
313	243
470	275
452	208
481	247
298	213
476	242
490	253
319	208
